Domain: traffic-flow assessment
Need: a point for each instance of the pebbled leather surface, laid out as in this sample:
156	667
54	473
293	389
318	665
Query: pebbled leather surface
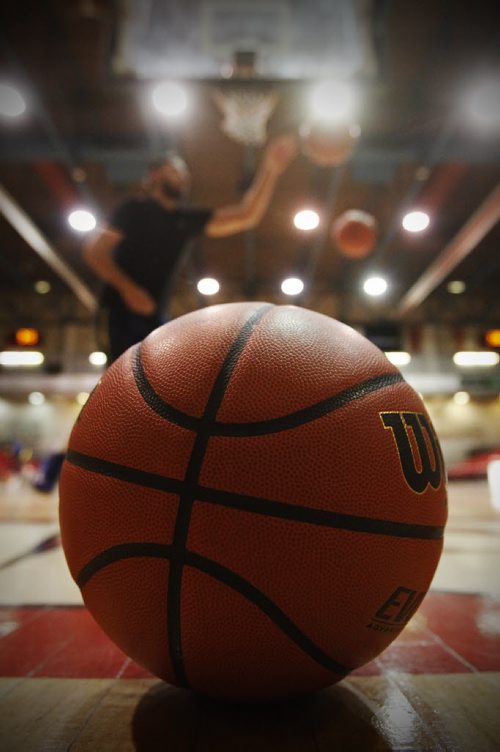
325	579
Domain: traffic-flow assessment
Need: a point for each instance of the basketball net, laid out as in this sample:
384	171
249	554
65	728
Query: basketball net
246	112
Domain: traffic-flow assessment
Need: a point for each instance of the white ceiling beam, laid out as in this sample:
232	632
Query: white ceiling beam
27	229
466	239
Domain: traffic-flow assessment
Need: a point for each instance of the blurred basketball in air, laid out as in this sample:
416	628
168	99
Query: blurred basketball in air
328	144
354	233
253	501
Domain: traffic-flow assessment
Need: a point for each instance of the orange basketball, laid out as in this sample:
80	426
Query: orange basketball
253	501
354	233
328	144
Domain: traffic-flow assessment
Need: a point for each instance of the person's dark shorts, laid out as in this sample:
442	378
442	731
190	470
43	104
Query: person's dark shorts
126	328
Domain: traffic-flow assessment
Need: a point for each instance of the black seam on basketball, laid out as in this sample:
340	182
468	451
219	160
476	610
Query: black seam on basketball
118	553
308	414
257	505
321	517
265	604
188	493
222	574
155	402
257	428
124	472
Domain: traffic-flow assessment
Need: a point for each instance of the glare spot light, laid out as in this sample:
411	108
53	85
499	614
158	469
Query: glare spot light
12	103
82	220
208	286
482	105
456	286
492	337
461	398
333	101
307	219
36	398
415	221
82	398
42	286
292	286
169	99
375	286
21	358
27	336
481	358
398	357
98	358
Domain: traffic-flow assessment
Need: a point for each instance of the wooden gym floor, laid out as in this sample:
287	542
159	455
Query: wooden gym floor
65	686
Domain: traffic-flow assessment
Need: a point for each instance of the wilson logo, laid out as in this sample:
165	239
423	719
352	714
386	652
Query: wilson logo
418	449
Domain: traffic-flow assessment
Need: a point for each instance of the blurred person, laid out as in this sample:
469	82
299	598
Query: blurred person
136	255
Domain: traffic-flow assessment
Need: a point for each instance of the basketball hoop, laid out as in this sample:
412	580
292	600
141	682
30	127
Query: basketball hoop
246	111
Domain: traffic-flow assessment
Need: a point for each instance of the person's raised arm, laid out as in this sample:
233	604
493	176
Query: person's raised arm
247	214
98	253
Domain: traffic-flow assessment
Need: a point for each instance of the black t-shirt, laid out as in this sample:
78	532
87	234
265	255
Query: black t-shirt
154	240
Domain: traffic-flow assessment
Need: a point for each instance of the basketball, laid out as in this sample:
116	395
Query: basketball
354	233
328	144
253	502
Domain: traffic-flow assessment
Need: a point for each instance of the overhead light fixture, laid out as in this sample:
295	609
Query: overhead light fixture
461	398
398	357
169	99
82	220
27	336
375	286
98	358
36	398
78	174
292	286
481	104
306	219
21	358
415	221
42	287
482	358
422	173
208	286
12	103
456	286
492	337
333	101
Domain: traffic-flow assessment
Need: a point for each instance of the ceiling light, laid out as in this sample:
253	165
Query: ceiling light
169	99
479	358
78	174
482	104
422	173
42	287
333	101
292	286
398	357
98	358
82	220
375	286
27	336
15	358
415	221
36	398
208	286
456	287
492	337
461	398
307	219
12	103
